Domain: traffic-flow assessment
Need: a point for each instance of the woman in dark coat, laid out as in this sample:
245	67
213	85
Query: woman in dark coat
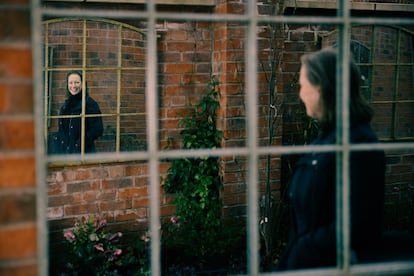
70	128
312	237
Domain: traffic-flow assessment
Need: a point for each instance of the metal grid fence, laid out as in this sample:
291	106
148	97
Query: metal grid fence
153	154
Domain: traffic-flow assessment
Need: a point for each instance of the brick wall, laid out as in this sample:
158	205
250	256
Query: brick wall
17	164
189	54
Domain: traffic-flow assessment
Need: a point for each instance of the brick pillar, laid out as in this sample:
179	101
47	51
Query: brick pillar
228	66
18	246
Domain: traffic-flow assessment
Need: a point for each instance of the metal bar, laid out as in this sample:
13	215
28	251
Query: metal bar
152	131
48	80
342	139
39	150
113	68
95	115
277	150
140	2
84	76
47	92
118	93
372	55
395	91
119	14
252	140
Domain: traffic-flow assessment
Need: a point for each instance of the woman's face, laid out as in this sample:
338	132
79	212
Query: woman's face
310	95
74	84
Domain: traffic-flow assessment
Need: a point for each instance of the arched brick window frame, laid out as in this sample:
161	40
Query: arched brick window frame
111	56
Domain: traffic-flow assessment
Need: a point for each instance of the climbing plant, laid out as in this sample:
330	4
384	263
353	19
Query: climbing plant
197	181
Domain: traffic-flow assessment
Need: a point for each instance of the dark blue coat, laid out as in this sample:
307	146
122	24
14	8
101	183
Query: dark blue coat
70	128
312	237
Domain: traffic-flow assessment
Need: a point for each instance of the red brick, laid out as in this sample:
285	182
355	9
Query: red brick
75	210
16	97
83	174
82	186
132	192
22	135
115	205
107	195
140	202
141	181
20	269
15	23
131	214
17	208
16	62
167	210
10	167
177	35
116	171
18	242
139	169
90	196
179	68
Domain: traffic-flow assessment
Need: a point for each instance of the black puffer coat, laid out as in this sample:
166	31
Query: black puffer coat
70	128
312	239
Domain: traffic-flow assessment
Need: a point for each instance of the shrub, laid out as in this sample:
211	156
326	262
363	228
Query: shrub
93	251
197	181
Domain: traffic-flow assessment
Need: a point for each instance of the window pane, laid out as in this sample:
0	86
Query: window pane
404	120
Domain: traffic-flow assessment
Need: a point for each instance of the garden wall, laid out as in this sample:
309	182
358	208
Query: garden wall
189	55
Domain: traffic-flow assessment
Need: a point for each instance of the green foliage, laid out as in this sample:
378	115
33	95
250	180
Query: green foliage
225	251
197	181
93	251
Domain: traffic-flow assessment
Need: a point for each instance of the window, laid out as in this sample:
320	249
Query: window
385	56
111	57
108	78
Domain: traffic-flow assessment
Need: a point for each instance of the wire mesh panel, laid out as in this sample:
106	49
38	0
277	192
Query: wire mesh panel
138	93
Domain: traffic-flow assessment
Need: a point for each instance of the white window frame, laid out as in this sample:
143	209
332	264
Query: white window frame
154	154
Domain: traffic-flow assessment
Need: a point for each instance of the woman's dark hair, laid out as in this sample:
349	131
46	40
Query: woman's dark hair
321	68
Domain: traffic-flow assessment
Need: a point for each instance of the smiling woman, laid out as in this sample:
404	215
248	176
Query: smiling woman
69	138
74	83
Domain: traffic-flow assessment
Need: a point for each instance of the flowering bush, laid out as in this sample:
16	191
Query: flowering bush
92	251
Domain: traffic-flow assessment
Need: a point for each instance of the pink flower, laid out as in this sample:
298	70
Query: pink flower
68	234
99	247
116	235
118	252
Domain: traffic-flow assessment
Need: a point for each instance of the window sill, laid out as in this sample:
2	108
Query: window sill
158	2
